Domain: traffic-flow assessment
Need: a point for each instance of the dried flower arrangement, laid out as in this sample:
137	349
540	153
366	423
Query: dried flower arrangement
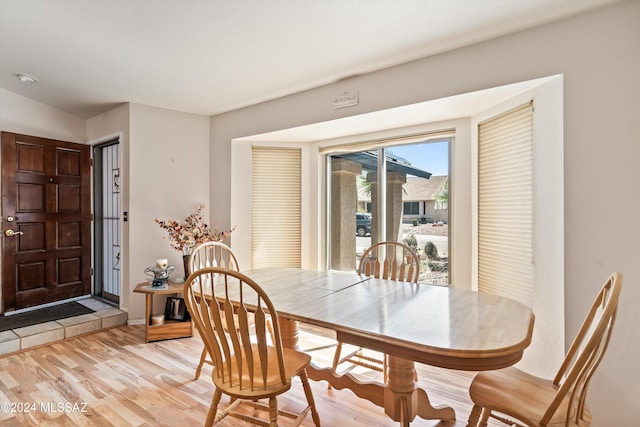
187	234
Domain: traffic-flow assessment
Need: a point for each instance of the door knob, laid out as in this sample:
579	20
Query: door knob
10	233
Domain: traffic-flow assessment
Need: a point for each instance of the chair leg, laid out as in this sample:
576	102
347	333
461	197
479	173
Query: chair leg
273	412
336	357
484	421
272	333
203	356
304	378
336	360
474	416
211	415
385	377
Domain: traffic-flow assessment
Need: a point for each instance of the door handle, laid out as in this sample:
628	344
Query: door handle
10	233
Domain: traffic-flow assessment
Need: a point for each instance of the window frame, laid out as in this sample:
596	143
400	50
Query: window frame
381	145
413	204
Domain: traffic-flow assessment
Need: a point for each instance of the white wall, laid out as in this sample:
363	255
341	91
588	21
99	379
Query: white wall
546	351
597	53
101	128
164	175
169	177
19	114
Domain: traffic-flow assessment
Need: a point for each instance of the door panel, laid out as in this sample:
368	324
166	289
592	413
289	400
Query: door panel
46	191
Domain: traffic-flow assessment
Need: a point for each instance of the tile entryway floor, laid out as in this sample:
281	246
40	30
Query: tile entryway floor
105	316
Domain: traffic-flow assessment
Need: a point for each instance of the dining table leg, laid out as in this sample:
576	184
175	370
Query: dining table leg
289	333
400	399
403	401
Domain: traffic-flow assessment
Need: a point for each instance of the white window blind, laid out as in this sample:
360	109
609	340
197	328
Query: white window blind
276	211
505	205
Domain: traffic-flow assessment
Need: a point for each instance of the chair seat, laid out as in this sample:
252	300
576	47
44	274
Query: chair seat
521	395
559	402
248	366
294	363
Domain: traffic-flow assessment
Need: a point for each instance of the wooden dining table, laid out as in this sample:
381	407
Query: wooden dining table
436	325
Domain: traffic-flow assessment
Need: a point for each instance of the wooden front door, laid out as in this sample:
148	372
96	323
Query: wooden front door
46	221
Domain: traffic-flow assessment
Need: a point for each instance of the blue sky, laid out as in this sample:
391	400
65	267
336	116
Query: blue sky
432	156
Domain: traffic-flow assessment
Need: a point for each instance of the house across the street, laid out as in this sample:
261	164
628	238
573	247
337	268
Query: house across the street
419	200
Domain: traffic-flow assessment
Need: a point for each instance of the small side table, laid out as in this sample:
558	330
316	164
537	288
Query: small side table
170	328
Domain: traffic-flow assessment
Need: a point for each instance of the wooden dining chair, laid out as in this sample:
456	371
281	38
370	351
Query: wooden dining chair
532	401
211	254
385	260
247	366
214	254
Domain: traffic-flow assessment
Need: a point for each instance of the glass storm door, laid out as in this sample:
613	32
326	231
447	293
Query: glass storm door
107	220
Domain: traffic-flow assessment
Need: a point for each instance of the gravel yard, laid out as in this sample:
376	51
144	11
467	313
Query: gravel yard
422	233
426	229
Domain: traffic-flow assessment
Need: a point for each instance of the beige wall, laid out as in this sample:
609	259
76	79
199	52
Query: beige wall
165	172
19	114
547	346
597	54
168	177
104	127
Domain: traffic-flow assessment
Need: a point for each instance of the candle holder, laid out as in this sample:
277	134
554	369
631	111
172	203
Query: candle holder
159	276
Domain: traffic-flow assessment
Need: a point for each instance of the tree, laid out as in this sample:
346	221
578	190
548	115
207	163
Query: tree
443	196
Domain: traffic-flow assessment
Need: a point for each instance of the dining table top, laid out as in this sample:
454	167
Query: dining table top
438	325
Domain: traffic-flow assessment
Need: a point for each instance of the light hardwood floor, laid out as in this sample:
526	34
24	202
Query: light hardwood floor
112	378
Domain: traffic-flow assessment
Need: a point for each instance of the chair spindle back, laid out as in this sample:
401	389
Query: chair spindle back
212	254
390	260
586	352
242	355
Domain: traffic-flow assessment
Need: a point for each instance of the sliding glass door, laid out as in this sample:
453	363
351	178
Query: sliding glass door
390	193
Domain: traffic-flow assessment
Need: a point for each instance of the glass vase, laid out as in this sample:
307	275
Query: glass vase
185	264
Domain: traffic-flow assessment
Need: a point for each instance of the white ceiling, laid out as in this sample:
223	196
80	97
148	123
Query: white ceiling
211	56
